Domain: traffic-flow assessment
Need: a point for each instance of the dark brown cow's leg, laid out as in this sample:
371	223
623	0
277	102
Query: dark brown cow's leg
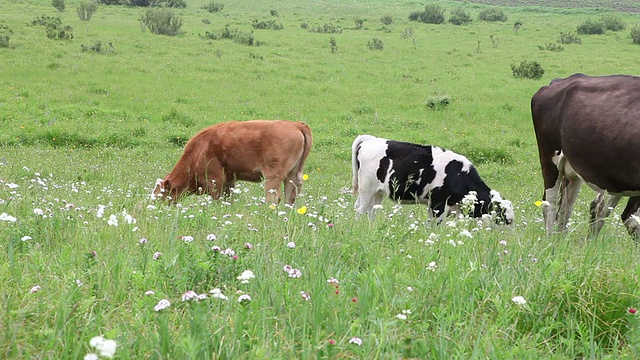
600	208
630	216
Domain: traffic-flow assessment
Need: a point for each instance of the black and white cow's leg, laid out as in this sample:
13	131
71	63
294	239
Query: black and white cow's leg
601	207
631	216
366	201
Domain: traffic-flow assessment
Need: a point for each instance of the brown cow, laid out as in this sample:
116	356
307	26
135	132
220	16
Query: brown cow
253	150
588	129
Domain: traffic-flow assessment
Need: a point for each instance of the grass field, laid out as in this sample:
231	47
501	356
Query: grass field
85	133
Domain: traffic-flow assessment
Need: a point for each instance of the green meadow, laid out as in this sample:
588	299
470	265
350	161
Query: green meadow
87	125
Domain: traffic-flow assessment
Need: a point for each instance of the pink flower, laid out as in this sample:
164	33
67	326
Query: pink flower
162	304
330	225
248	246
632	310
332	342
189	295
157	255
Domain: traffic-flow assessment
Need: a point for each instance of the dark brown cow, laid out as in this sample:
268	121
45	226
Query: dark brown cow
248	150
588	129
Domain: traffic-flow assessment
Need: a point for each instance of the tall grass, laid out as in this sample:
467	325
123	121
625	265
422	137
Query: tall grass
84	136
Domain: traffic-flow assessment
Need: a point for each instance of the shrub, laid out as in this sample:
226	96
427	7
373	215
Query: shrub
169	3
113	2
517	25
386	19
5	35
438	102
613	22
267	25
590	27
359	22
59	32
569	38
527	70
86	9
327	29
460	16
45	20
415	15
333	45
274	12
235	35
492	15
98	47
551	47
213	7
161	21
59	5
375	44
635	34
433	14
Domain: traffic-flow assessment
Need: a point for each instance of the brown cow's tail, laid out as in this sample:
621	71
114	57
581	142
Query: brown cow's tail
306	133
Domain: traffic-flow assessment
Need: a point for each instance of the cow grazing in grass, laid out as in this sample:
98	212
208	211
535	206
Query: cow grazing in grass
588	130
411	173
247	150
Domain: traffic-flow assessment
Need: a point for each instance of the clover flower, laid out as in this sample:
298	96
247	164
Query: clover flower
35	289
519	300
106	348
244	298
7	217
157	255
305	295
217	294
162	304
355	340
246	276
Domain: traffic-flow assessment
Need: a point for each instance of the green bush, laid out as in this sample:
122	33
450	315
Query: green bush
5	35
438	102
433	14
527	70
613	22
375	44
492	15
551	47
274	12
235	35
635	34
386	19
98	47
327	29
86	9
569	38
460	16
59	32
161	21
169	3
359	22
45	20
213	7
590	27
267	25
59	5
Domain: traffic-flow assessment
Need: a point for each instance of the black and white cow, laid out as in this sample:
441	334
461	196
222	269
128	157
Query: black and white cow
412	173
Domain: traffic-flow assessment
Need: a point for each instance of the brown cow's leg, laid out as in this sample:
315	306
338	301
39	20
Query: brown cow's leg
215	179
272	190
601	207
630	216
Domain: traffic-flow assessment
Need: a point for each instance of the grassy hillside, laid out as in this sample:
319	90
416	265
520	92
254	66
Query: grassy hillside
84	133
597	5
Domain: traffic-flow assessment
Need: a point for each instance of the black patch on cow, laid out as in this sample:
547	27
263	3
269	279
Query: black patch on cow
406	183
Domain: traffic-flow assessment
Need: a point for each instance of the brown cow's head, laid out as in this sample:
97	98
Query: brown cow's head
164	190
